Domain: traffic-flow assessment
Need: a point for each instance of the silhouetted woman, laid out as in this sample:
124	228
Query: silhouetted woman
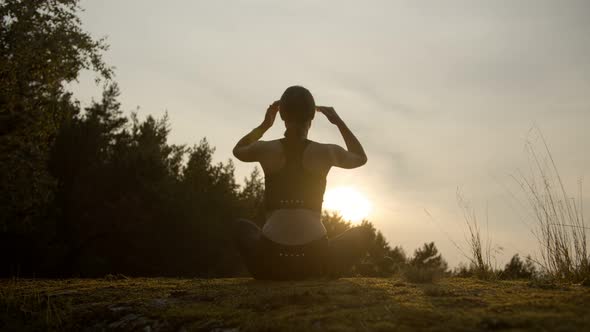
293	242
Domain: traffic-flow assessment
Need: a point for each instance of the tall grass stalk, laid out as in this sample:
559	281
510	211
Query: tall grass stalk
481	252
559	225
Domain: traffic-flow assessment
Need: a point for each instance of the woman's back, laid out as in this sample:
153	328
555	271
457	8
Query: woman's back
314	158
295	180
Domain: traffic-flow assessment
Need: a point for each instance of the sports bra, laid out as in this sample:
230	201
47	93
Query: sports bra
293	187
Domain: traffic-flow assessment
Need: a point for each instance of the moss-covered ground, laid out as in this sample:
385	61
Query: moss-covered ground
243	304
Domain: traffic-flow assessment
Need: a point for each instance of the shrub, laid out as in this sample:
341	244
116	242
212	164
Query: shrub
517	269
426	266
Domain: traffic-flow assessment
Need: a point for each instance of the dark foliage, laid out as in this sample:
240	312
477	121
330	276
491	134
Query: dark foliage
42	48
427	265
428	256
127	201
517	269
380	259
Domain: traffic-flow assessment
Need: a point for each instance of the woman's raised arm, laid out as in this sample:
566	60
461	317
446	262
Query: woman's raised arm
354	155
245	150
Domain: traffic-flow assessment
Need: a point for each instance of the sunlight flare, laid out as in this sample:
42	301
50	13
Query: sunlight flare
350	203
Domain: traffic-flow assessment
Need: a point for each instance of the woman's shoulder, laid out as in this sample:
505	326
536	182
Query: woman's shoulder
274	142
268	143
270	146
324	146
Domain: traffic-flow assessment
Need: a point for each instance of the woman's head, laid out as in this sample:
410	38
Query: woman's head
297	108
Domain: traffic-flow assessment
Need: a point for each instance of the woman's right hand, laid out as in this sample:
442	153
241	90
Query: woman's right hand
330	113
271	114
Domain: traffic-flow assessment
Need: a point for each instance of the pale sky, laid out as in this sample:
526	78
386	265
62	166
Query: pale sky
441	94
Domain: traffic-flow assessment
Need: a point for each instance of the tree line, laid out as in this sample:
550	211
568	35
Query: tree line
91	191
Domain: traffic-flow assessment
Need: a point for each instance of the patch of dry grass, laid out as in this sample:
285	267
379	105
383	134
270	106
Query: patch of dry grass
348	304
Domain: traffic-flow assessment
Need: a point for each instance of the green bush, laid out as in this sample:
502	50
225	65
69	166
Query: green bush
426	266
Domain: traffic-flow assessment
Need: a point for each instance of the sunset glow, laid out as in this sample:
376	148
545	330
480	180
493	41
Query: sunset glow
348	202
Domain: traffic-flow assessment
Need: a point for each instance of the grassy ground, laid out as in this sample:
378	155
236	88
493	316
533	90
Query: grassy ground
350	304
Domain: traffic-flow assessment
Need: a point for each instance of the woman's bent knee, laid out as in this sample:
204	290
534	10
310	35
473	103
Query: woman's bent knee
246	235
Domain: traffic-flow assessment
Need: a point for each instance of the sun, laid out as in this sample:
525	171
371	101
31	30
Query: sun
351	204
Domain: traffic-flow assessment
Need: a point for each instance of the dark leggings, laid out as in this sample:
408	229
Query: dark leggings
324	257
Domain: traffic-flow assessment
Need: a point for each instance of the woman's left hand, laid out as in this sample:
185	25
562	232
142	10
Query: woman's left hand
330	113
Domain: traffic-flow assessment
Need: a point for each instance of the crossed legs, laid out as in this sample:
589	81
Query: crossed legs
343	251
